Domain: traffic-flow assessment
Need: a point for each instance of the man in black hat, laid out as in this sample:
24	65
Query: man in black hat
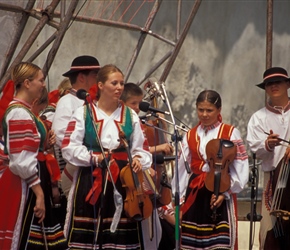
82	75
265	128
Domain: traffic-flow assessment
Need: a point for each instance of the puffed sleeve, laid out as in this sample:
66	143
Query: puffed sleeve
183	176
23	141
239	169
63	113
137	140
73	150
256	138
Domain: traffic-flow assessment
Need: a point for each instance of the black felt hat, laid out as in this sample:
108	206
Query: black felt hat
82	63
275	74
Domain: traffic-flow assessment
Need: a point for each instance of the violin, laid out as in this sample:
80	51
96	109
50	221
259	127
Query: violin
137	204
161	186
160	183
220	153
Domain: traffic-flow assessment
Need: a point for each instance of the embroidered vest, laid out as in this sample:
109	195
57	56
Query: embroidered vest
124	125
193	140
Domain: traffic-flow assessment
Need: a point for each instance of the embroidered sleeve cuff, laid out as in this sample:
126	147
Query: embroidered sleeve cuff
94	159
33	180
227	194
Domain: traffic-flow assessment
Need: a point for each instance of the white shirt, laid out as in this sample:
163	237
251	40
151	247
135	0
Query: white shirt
77	154
239	168
23	164
262	121
65	108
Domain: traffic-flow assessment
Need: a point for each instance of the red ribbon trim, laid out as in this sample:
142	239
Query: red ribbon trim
96	189
196	184
51	165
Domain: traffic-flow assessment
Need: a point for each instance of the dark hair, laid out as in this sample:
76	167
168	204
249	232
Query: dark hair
131	89
73	76
210	96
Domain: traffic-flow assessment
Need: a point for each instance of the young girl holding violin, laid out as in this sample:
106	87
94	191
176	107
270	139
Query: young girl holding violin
91	205
209	221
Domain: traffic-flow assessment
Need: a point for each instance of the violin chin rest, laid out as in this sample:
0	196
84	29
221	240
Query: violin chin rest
137	217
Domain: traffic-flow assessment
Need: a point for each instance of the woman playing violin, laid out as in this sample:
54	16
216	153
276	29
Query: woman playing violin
90	202
198	229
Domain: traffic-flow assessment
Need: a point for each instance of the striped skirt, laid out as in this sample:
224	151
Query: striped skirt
199	231
18	226
88	226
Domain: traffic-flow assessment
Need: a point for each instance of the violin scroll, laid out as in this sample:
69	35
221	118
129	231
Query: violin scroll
153	89
123	140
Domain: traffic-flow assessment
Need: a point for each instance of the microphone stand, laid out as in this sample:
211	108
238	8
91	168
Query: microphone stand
118	200
173	137
155	127
253	216
169	122
177	139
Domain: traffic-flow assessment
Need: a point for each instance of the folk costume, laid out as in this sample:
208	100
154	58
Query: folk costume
48	115
64	110
80	148
62	114
151	227
197	228
25	137
4	159
267	118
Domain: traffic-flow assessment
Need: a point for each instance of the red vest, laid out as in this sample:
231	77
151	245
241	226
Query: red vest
197	161
193	140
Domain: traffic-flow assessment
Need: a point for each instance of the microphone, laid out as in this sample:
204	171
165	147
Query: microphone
82	94
159	158
145	106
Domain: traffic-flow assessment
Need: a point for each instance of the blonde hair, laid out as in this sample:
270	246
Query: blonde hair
104	73
23	71
64	85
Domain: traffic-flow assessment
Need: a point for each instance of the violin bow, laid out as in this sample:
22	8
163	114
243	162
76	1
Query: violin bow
118	199
278	138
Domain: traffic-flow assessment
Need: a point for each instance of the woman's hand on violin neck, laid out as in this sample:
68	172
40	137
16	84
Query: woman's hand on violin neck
136	165
216	202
